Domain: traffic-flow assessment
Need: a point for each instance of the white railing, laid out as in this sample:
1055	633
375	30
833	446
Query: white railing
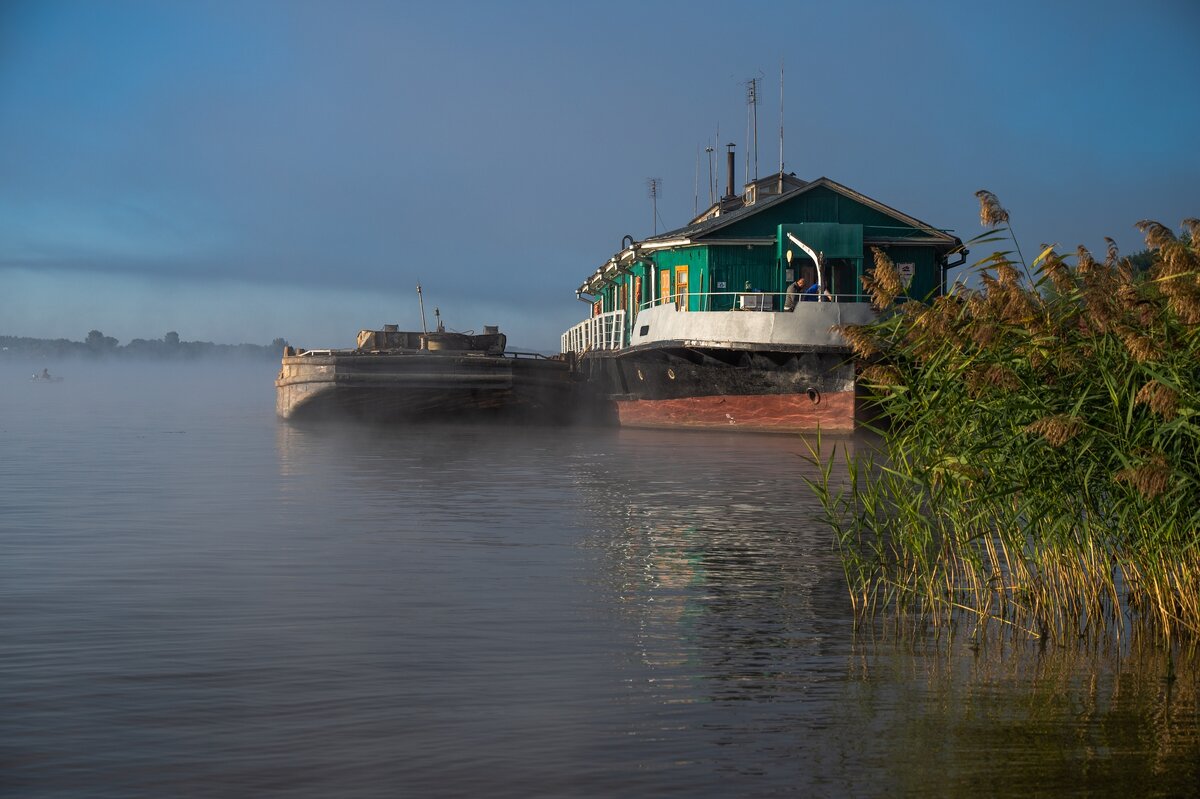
746	300
603	332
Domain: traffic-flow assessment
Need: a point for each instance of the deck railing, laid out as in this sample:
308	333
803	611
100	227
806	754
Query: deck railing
607	331
603	332
745	300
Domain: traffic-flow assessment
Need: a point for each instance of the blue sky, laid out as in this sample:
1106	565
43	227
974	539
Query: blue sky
238	171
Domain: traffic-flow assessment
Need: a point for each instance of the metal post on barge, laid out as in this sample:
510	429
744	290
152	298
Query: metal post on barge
421	302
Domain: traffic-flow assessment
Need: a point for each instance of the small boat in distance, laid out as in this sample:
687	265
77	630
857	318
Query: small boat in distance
45	377
410	376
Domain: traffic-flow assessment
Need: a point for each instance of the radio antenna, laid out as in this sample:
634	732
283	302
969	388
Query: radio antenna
652	184
752	125
781	125
709	149
716	144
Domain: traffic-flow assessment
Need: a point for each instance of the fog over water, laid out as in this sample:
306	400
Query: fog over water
197	599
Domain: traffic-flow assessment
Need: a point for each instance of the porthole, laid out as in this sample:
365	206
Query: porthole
640	375
644	330
671	373
814	396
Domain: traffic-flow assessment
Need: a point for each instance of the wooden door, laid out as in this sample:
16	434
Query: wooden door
681	287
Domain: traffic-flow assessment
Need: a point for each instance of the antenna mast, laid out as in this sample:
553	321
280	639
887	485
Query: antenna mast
709	149
696	186
752	124
716	144
653	184
781	124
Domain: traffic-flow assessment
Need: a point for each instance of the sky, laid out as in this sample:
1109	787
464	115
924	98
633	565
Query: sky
241	171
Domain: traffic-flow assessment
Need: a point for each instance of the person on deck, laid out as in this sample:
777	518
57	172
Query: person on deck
794	290
804	291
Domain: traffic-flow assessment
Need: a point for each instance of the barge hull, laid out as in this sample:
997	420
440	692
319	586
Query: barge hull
408	388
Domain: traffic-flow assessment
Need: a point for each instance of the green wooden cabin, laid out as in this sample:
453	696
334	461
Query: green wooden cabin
740	245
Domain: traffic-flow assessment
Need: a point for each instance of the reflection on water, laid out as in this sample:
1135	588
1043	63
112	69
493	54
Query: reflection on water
199	600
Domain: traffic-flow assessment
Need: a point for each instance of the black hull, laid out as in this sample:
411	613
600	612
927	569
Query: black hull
677	372
761	390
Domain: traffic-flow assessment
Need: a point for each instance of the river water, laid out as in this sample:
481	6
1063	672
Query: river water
197	599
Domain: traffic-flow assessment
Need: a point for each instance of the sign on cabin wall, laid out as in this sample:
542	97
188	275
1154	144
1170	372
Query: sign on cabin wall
906	272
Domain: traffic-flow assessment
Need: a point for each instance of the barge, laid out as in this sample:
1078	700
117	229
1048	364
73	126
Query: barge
695	328
404	376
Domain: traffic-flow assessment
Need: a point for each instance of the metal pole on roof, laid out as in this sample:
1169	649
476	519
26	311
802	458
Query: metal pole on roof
709	149
781	126
749	134
716	143
754	113
653	184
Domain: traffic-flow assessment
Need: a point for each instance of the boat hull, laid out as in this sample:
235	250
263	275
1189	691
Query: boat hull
780	413
763	390
419	386
757	371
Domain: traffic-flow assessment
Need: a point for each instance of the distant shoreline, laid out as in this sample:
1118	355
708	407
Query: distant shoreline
97	346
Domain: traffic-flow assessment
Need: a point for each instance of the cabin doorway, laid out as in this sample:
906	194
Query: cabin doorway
664	286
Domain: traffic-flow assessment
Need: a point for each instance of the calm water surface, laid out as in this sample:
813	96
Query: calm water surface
199	600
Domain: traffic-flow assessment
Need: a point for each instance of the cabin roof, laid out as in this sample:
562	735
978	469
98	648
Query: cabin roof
706	227
762	188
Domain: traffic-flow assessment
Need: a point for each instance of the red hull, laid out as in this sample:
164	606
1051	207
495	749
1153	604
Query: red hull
768	413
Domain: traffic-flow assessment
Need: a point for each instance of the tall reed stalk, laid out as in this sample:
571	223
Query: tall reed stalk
1041	441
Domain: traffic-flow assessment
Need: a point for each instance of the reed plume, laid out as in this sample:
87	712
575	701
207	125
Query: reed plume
1057	430
1192	226
861	340
882	376
882	283
1060	276
1161	399
1156	233
991	213
1141	347
1112	254
1150	478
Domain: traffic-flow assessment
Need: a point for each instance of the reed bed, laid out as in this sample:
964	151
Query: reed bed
1040	444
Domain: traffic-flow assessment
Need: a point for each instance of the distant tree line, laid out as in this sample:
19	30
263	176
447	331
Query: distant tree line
98	345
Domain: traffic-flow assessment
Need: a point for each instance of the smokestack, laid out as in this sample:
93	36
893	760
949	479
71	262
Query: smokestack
729	187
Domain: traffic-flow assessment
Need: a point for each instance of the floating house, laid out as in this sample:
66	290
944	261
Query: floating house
693	328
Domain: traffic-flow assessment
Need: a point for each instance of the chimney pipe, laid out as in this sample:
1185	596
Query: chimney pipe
729	187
